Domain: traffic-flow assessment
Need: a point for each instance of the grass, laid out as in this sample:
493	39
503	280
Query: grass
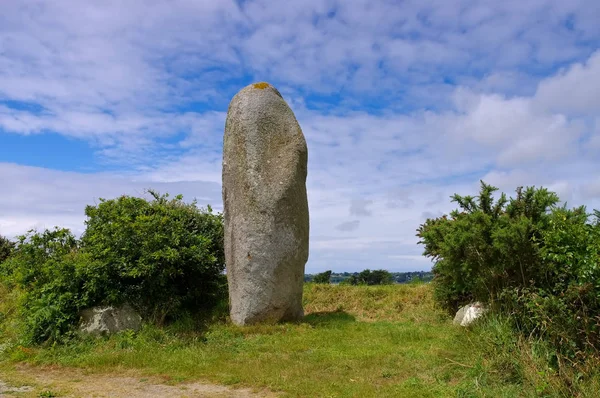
387	341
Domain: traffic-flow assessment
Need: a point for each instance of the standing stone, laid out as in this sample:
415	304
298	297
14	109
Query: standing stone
266	209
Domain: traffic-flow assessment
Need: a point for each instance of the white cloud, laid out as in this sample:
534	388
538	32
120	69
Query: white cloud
412	258
402	104
575	90
514	130
80	59
40	198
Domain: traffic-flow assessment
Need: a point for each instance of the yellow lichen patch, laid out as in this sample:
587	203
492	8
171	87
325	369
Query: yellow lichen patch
261	85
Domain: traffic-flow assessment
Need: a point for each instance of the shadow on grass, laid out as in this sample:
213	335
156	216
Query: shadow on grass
329	318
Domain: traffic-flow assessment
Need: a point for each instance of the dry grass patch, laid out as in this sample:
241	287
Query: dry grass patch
395	303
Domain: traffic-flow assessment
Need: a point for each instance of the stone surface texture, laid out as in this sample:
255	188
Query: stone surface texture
108	319
265	207
469	313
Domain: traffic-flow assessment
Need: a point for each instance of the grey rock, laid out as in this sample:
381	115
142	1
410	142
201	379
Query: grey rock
265	207
467	314
108	319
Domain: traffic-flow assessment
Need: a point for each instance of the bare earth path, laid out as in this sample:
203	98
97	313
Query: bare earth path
27	381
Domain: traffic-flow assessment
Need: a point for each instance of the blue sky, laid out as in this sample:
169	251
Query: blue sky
402	103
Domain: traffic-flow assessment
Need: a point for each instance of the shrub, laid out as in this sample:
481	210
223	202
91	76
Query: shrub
162	255
56	280
537	263
564	305
323	277
486	245
6	248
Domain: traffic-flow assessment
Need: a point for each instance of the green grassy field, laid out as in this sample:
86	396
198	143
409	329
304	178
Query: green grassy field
363	341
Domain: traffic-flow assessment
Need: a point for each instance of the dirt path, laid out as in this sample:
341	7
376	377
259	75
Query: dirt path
26	381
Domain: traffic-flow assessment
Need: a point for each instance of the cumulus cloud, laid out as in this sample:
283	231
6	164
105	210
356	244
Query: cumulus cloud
402	104
38	198
575	90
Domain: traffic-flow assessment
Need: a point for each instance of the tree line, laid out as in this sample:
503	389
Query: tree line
369	277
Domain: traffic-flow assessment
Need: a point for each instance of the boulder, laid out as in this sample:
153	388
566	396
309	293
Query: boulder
469	313
108	319
265	207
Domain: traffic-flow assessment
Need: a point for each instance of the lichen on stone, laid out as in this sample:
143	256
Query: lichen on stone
261	85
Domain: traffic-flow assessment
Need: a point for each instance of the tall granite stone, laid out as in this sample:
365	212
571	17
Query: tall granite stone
266	208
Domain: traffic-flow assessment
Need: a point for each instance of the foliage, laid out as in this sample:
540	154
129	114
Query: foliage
56	279
526	257
486	245
368	277
563	307
162	255
412	276
6	248
10	324
323	277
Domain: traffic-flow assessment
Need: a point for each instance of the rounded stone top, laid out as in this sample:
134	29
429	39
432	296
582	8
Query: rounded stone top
263	86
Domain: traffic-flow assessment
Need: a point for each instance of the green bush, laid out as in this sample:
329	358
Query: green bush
162	255
6	248
563	307
323	277
56	280
486	246
535	262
